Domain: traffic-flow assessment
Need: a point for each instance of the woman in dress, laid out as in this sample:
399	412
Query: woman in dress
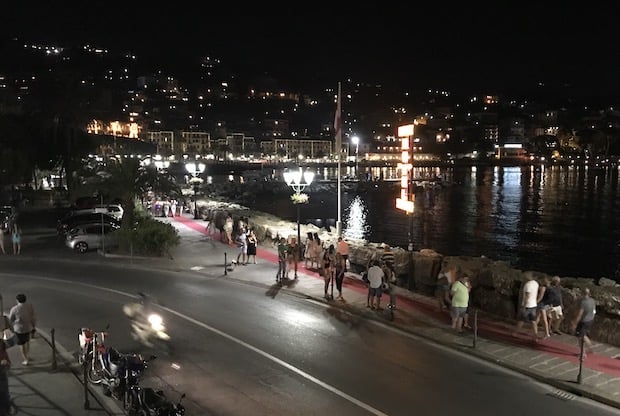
252	242
308	250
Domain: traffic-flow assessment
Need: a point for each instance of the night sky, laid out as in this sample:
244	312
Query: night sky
464	48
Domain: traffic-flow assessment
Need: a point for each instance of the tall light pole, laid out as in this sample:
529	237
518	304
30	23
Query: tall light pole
356	141
195	169
298	180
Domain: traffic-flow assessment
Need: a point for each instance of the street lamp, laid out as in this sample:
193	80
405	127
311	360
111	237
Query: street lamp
356	141
298	180
195	169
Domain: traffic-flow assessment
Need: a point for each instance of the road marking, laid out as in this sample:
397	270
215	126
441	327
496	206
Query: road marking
258	351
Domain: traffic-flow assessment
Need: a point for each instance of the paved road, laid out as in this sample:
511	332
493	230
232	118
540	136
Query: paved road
552	361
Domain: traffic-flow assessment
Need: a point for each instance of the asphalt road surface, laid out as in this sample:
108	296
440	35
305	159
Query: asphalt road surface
249	349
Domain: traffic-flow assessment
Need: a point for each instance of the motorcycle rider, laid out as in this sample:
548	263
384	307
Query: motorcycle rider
138	312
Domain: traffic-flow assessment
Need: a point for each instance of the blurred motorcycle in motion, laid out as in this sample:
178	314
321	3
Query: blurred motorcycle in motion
147	326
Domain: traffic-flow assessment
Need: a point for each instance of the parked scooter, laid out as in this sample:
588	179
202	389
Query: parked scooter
146	401
147	327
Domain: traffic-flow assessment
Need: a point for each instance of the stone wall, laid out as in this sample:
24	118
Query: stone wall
495	284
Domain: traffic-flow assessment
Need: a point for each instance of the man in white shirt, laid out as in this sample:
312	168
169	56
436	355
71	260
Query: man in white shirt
375	279
528	307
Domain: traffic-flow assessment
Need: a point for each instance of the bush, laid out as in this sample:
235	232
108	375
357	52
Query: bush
148	237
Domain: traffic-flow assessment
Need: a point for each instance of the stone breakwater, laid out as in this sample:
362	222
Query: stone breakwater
495	284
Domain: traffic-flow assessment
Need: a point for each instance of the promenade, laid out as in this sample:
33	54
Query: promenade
52	384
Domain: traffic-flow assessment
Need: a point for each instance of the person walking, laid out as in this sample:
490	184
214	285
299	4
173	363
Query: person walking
528	307
544	304
5	396
252	243
16	237
23	320
584	319
556	312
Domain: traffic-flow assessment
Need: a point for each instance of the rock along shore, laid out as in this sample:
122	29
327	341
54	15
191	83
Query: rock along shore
495	284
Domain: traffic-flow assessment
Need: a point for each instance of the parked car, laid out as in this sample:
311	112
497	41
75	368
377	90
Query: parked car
91	236
72	220
113	210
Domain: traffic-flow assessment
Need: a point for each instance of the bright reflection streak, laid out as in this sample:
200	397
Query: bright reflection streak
299	318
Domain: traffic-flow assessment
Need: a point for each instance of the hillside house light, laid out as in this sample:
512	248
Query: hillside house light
195	169
298	179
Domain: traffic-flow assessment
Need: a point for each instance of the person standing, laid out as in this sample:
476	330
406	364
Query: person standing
339	269
309	250
252	243
16	237
459	292
23	319
2	241
375	280
242	242
282	254
342	247
5	396
328	266
585	318
528	306
388	258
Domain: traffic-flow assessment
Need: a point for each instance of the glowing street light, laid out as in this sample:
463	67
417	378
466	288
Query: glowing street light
298	180
195	169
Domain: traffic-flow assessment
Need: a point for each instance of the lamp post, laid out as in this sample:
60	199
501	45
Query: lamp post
195	169
356	141
298	180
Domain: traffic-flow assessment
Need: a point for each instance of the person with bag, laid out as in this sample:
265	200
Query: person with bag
22	317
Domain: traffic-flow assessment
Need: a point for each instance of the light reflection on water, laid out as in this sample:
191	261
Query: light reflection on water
560	220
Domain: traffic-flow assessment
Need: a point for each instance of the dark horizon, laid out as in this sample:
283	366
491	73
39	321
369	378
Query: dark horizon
465	51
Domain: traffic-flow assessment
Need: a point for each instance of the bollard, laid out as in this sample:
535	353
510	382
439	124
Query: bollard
225	265
86	403
579	375
54	363
475	327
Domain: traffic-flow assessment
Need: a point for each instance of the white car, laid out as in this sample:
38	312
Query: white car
91	236
113	210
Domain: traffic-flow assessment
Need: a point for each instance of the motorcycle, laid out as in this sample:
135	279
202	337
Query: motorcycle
147	327
89	340
146	401
106	366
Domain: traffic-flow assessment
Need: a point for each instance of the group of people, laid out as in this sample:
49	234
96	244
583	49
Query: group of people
541	301
16	239
379	277
21	323
453	294
247	242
